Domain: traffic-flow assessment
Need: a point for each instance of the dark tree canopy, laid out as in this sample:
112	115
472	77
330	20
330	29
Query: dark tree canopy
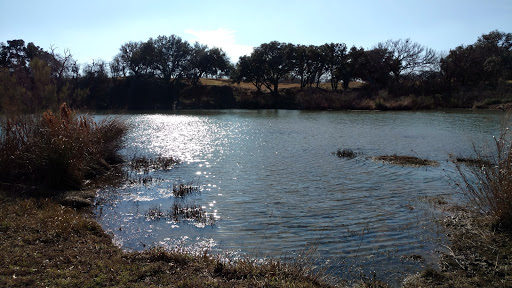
488	61
32	78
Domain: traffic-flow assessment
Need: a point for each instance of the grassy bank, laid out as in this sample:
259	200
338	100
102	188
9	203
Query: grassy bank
44	244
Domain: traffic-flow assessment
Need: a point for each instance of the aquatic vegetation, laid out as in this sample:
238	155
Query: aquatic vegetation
143	180
182	190
144	164
58	150
472	161
154	213
405	160
489	187
345	153
196	213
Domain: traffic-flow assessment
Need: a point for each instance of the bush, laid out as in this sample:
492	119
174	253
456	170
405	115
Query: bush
489	187
58	150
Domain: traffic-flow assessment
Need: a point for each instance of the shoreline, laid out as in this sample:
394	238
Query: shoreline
61	246
43	243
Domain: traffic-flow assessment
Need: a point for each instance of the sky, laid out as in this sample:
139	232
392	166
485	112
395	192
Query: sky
96	29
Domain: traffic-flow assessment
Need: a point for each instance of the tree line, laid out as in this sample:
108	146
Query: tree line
153	73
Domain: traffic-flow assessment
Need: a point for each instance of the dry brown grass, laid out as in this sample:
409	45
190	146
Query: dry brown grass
58	150
477	256
43	244
489	185
250	86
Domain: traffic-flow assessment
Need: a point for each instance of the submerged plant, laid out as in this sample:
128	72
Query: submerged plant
182	190
196	213
144	164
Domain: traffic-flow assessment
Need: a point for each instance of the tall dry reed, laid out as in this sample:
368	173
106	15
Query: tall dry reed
58	150
489	185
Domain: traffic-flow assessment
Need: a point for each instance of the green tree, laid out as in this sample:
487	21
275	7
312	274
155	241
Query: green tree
335	61
44	91
248	70
309	64
487	61
376	67
137	58
353	67
275	60
172	58
205	61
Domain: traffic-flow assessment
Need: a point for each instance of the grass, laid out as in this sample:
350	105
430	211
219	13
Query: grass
144	164
195	213
154	213
480	234
250	86
489	187
58	150
182	190
43	244
478	255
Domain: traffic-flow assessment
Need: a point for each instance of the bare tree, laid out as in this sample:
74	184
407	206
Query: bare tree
409	57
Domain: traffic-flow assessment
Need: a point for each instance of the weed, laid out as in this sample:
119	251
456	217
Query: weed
196	213
489	187
144	164
182	190
58	150
154	213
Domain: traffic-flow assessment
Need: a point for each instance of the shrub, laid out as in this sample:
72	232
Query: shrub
489	187
58	150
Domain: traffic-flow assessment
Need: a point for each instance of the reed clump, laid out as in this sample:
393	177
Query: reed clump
181	190
346	153
145	164
154	213
58	150
196	213
489	184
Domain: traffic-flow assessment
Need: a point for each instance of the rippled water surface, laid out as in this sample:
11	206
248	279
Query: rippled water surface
272	183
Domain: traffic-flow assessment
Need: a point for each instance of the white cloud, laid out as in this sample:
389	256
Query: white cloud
222	38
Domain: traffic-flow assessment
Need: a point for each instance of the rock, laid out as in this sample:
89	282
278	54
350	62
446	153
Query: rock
79	199
76	202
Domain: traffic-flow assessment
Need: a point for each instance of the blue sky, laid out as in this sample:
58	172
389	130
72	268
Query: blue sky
96	29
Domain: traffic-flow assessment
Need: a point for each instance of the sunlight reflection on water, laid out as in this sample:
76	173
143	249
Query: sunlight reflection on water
274	187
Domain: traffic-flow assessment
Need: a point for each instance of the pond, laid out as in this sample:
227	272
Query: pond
271	185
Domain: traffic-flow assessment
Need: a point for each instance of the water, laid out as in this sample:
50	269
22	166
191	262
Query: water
272	183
